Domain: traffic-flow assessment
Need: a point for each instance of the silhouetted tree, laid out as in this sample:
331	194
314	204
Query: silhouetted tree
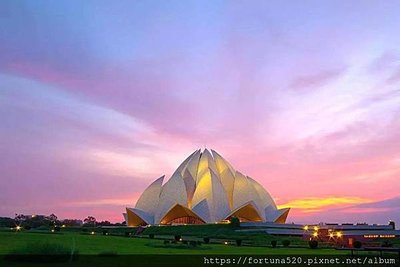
71	222
104	223
89	221
19	218
7	222
53	218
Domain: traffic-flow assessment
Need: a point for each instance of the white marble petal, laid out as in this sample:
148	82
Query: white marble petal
173	192
148	201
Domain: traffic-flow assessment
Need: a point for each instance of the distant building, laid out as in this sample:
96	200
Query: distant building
204	189
340	234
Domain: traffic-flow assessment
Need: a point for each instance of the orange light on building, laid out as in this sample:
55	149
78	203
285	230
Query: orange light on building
305	227
331	235
371	236
315	234
387	236
339	234
316	228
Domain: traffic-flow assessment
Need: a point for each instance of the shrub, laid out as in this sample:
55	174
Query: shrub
357	244
185	242
193	243
173	241
105	232
238	242
206	240
57	228
387	244
273	243
235	222
127	234
151	236
313	243
286	243
199	243
177	237
166	242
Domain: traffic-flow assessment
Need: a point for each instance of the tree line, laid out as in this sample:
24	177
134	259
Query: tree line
36	221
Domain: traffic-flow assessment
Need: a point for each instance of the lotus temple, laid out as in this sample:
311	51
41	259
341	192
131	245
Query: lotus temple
205	188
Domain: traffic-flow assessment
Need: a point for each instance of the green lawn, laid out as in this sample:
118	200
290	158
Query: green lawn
96	244
132	251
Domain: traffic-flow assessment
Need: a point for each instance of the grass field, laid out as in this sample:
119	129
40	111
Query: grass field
102	250
97	244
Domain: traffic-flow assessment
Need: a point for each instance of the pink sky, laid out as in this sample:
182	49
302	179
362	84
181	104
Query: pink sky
98	100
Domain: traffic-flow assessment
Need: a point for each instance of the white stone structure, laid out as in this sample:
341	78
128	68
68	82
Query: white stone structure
204	189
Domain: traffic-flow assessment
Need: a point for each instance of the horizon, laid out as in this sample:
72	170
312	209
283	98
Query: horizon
97	100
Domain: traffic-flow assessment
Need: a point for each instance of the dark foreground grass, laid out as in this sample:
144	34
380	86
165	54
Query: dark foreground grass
42	252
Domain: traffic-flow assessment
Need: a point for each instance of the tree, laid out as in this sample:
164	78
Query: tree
90	221
53	218
7	222
71	222
357	244
19	218
286	243
234	222
313	243
104	223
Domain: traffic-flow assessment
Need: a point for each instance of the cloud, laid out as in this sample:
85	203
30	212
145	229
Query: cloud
116	202
386	203
380	211
386	61
395	77
317	79
314	204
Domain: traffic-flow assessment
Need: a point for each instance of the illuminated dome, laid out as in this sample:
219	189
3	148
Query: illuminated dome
204	189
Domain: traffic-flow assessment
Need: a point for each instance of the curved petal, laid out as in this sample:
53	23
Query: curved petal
179	211
206	162
210	189
173	192
276	215
247	212
264	197
148	201
226	176
138	217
